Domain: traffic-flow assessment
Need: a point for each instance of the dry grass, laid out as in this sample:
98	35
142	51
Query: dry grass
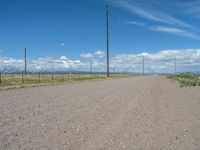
20	79
186	79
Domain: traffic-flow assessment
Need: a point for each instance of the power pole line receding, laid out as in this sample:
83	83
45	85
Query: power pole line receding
107	37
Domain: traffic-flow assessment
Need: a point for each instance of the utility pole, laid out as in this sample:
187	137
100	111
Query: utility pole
0	79
149	69
143	64
70	71
175	65
91	67
107	37
166	70
25	62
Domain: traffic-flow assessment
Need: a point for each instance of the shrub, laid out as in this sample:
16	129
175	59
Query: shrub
186	79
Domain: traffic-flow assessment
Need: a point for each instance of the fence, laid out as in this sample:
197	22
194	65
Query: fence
10	79
19	69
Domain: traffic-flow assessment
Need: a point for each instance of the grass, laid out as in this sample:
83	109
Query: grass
8	80
186	79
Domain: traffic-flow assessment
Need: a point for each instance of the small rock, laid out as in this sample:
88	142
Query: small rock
21	118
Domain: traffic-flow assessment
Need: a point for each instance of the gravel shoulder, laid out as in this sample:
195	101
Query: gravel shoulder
144	113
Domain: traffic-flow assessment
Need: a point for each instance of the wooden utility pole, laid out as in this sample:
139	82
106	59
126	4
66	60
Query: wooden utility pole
143	64
149	69
91	67
70	71
166	70
25	62
0	79
175	65
107	37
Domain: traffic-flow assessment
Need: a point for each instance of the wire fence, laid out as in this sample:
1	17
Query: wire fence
14	79
21	68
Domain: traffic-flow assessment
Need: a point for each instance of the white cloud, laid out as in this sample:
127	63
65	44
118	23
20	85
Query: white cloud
136	23
63	58
175	31
40	64
149	14
190	6
88	55
97	54
166	29
187	60
62	44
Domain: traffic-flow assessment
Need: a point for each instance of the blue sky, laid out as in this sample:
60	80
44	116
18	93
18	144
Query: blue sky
76	28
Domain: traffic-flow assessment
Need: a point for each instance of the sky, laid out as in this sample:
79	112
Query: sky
64	33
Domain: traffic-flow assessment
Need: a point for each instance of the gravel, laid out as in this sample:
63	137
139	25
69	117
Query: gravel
144	113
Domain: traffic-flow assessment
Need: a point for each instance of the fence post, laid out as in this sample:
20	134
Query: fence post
0	79
63	76
39	77
52	76
22	77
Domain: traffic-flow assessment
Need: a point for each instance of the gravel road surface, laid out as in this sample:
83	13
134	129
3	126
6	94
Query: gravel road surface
136	113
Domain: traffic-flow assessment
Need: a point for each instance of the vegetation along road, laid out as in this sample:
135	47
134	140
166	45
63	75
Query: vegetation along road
144	112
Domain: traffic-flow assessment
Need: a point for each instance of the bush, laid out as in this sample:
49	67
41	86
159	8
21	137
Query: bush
193	83
186	79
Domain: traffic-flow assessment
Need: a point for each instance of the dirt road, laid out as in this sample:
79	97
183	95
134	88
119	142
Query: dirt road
144	113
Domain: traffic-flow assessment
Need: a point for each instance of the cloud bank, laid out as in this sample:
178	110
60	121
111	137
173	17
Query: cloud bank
97	54
162	61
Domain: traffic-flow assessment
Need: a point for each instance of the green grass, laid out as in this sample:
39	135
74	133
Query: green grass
8	80
186	79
